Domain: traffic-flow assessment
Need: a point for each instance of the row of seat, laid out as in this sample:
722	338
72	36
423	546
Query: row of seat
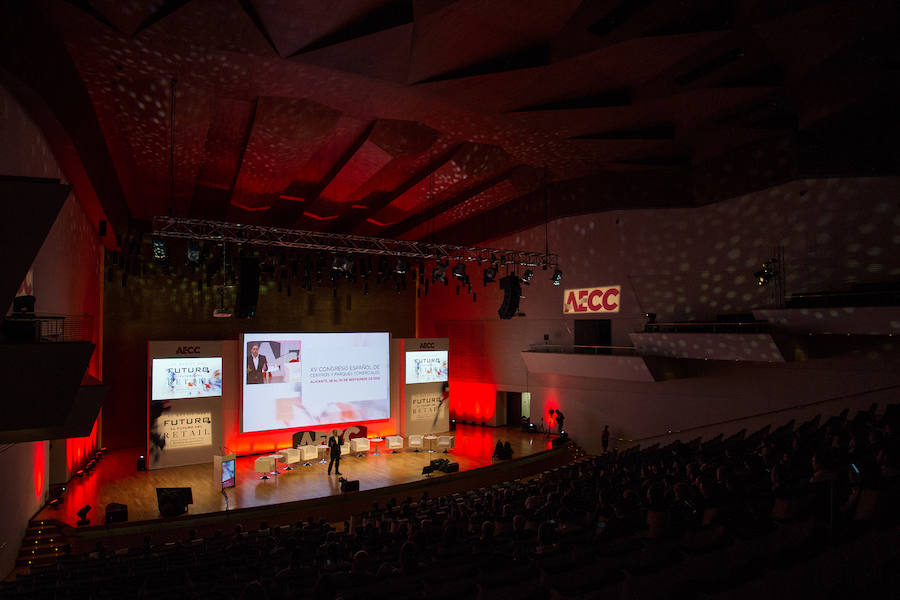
309	452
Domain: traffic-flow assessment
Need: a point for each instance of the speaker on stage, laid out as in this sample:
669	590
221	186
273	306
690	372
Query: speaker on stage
451	468
142	464
349	486
116	513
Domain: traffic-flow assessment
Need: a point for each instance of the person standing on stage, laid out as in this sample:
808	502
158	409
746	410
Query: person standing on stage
559	420
334	445
604	439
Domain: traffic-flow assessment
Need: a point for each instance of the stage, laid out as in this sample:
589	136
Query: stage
116	479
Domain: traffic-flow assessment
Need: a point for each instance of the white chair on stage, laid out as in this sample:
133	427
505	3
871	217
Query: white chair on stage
359	445
415	442
289	456
345	449
445	442
308	453
264	465
393	443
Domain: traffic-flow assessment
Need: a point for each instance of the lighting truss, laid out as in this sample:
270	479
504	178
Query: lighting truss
256	235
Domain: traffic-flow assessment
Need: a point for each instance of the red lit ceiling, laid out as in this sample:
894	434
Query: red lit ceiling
456	120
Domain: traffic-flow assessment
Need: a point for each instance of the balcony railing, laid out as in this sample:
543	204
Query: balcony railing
48	328
708	327
582	349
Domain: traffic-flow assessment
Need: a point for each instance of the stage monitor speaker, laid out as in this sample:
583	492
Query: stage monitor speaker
173	501
560	441
451	468
512	292
350	486
439	463
248	287
116	513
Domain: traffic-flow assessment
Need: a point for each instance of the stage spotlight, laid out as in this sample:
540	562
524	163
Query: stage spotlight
383	266
193	252
160	251
459	271
439	274
557	277
527	276
768	272
82	514
490	274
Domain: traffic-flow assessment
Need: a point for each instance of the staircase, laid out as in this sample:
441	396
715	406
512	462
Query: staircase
42	544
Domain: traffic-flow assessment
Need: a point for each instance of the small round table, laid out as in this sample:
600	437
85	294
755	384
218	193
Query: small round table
277	457
375	442
430	439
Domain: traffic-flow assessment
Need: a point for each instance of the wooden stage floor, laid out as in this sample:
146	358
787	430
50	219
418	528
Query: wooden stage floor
115	478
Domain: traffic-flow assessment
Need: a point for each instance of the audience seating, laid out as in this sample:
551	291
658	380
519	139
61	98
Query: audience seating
728	517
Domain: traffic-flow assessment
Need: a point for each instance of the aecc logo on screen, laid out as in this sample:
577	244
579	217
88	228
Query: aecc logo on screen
188	350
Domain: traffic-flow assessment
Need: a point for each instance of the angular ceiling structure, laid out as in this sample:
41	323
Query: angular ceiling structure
454	121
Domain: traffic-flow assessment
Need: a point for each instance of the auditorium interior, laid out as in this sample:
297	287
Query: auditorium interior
656	241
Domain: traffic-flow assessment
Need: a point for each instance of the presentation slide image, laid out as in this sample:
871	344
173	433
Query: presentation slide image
273	361
174	378
321	379
426	367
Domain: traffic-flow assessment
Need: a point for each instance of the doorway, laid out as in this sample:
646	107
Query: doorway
514	409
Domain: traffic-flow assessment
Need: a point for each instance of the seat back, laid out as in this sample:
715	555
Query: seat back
264	464
414	440
359	445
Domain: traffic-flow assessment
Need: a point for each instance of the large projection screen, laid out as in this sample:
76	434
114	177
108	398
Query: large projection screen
293	380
